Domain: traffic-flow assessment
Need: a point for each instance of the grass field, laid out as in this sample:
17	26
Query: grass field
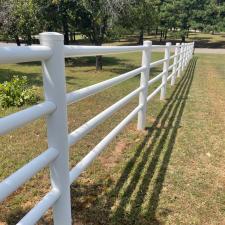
204	40
173	173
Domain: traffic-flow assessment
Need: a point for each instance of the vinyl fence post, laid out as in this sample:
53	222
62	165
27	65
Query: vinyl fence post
175	66
146	60
186	55
165	70
180	61
193	48
55	91
188	52
183	56
187	47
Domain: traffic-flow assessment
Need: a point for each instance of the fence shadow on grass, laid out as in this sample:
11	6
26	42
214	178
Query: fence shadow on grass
145	170
162	134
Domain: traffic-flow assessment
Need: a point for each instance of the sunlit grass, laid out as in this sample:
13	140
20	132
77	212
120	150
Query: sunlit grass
170	174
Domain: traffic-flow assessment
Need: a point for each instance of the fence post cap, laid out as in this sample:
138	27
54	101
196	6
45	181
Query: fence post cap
147	43
168	44
177	44
51	36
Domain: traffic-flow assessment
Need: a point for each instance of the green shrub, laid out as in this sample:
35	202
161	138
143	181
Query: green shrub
17	93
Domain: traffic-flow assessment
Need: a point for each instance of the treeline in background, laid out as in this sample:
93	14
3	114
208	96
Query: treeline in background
99	21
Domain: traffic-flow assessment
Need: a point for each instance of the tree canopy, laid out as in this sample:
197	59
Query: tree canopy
99	20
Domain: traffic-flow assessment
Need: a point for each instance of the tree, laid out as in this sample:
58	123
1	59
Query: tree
19	19
221	23
26	11
211	17
95	18
8	21
180	13
168	17
58	15
141	15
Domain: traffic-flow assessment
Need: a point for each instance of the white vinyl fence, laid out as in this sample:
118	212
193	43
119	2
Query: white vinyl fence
52	53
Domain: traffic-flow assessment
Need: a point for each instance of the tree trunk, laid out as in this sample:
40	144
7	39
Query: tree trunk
98	62
29	39
156	31
187	33
65	30
148	31
165	35
71	37
161	35
141	37
17	41
183	38
66	37
74	36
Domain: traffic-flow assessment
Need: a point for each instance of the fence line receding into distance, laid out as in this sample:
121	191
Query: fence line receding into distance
52	53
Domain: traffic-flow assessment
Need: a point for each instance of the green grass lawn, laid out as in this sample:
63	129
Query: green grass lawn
204	40
173	173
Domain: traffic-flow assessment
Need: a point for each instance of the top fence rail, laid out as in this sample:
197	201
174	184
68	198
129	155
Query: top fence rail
24	54
52	53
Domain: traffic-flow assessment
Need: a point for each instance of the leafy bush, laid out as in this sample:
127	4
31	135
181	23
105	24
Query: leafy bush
17	93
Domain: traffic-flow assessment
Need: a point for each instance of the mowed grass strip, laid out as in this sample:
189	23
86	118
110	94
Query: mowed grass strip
170	174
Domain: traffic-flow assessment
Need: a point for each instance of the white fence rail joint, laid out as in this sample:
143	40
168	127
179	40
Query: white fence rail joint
80	94
55	91
177	52
52	53
165	70
24	54
146	58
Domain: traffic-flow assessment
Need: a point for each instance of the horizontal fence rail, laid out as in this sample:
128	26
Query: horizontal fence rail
52	53
96	88
78	51
24	54
101	117
14	181
25	116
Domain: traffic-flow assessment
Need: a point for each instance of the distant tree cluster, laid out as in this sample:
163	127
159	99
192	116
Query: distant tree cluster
183	15
101	20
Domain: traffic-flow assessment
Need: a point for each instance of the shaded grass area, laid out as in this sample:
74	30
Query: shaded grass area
155	177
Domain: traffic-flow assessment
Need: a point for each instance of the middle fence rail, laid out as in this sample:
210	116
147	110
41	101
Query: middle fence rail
52	53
